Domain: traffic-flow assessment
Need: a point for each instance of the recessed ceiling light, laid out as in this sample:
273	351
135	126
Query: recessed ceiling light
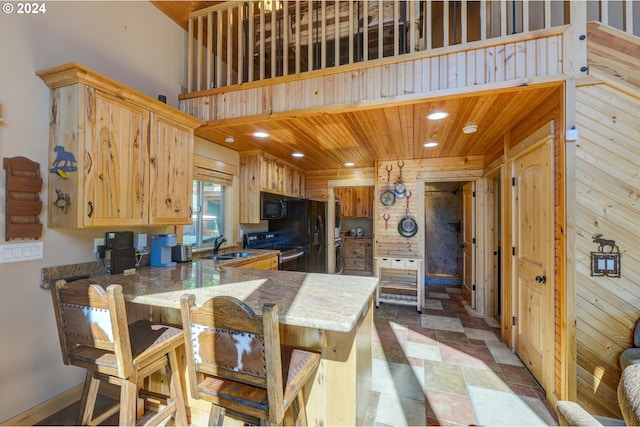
430	144
437	115
470	129
229	139
298	155
349	164
261	134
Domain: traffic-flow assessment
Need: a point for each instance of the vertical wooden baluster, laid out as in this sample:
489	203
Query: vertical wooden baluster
219	48
352	17
604	12
323	35
414	14
285	37
428	32
464	22
199	53
525	16
274	61
365	30
229	21
483	19
629	16
298	29
240	43
445	23
262	47
310	48
337	33
209	50
396	28
380	28
190	56
503	18
251	37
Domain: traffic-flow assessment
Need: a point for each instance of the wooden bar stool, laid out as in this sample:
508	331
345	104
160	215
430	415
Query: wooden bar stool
94	334
235	361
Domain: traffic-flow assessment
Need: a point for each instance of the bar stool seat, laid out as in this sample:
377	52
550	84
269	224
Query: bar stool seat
94	334
236	362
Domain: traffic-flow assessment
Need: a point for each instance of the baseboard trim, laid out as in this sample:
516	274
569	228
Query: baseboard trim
49	407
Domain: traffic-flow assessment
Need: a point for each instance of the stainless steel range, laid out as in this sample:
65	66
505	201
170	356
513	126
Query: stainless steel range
291	257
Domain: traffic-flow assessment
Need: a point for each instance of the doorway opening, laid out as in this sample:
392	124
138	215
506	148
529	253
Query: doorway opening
444	233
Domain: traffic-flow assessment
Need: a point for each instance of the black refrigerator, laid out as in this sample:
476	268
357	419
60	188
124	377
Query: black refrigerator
306	223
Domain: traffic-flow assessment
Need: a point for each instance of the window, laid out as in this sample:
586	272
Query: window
212	186
207	216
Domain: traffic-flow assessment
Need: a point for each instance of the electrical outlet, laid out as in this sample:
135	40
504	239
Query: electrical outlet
99	241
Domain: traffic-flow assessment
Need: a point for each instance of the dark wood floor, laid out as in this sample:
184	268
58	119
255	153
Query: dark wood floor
67	416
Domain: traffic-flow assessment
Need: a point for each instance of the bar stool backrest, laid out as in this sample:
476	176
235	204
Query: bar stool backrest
226	339
92	324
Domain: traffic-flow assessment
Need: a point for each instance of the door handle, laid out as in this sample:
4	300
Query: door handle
541	279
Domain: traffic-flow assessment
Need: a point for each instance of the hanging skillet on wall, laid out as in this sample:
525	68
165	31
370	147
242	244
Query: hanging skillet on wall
400	190
407	227
387	197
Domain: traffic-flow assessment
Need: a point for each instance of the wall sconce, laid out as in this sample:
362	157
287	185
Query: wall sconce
605	263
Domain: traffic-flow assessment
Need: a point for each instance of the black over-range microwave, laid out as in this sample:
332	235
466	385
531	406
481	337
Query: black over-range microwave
272	206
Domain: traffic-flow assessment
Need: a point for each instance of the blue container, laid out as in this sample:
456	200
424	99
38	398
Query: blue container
161	245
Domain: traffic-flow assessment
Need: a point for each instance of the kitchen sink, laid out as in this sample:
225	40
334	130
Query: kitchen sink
237	254
231	255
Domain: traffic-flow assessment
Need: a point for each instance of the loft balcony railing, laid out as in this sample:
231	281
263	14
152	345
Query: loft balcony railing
239	42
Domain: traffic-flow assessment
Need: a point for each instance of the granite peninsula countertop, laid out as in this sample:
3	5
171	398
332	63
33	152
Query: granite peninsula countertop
322	301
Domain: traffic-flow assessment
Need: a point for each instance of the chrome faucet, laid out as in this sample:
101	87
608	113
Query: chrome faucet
217	242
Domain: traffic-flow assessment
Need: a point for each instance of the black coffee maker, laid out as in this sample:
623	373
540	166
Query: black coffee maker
123	254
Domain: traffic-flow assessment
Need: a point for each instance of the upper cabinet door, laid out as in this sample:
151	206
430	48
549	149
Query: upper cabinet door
116	187
171	171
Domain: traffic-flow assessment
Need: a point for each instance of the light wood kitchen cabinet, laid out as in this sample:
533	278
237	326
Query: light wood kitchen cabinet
260	172
357	255
272	175
270	263
171	172
355	202
117	157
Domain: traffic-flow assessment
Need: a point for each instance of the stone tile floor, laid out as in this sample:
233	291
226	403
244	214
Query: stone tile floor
449	366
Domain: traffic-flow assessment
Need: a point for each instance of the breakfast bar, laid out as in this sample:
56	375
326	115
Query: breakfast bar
331	314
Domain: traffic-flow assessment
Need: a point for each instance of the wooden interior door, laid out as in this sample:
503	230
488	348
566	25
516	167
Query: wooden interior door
468	234
533	247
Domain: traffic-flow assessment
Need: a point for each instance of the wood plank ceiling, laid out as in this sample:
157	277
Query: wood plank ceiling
363	136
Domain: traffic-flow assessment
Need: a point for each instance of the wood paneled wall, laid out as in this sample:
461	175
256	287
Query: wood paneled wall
387	239
608	190
319	182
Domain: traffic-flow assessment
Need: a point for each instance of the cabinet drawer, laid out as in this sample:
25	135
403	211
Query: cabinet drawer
355	252
398	263
384	262
409	264
354	264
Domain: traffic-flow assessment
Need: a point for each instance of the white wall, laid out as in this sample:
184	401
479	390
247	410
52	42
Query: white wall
131	42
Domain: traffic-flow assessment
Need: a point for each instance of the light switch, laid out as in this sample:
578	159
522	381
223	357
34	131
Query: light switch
14	252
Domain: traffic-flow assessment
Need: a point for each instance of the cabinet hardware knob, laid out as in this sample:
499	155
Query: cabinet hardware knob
541	279
90	214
